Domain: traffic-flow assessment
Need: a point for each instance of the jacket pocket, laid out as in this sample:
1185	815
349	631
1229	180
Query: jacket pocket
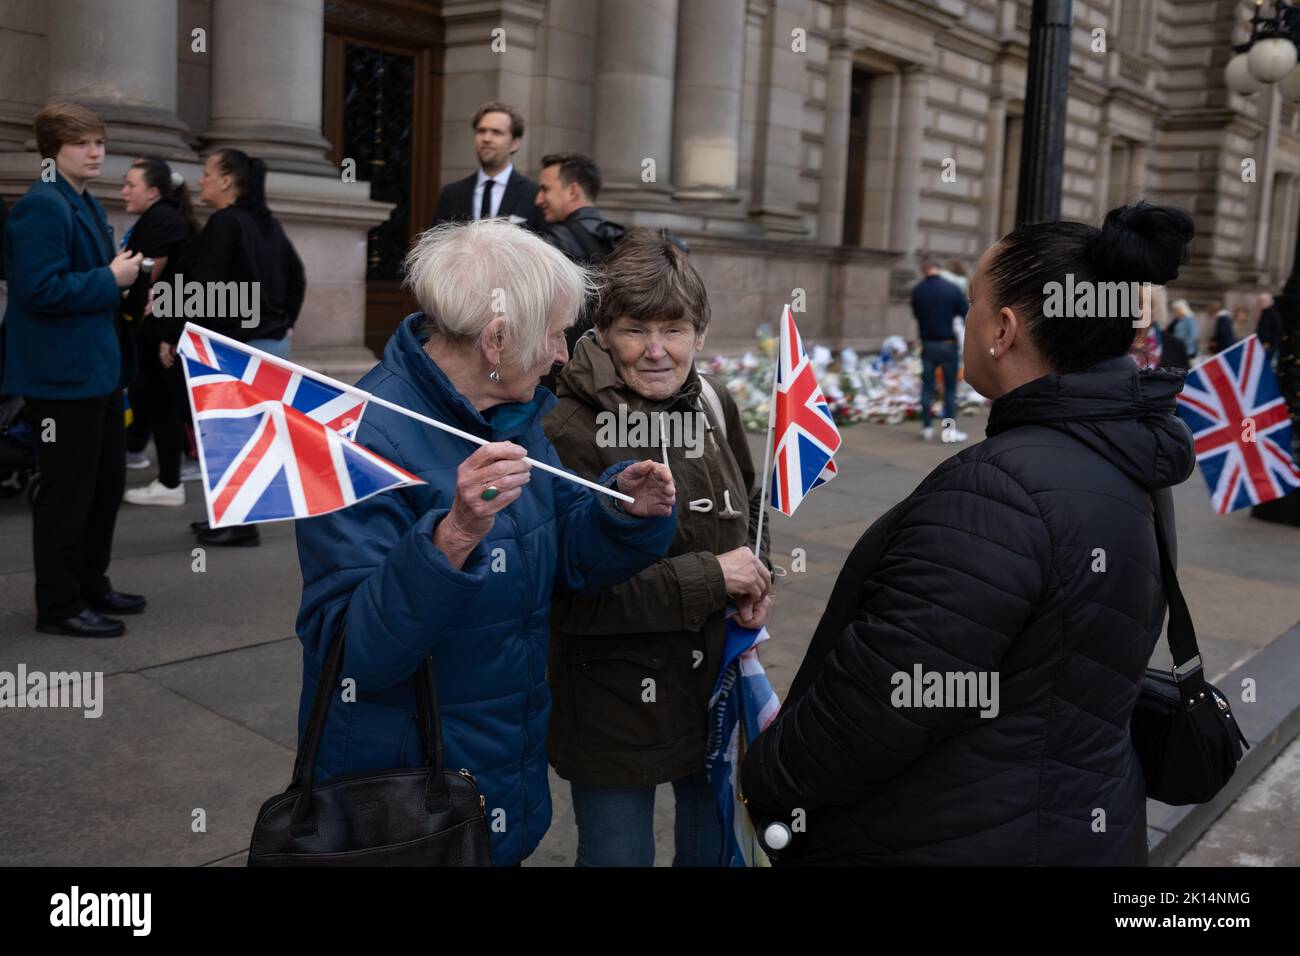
629	697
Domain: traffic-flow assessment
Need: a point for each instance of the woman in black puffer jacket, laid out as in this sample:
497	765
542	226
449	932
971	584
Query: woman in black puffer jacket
1027	562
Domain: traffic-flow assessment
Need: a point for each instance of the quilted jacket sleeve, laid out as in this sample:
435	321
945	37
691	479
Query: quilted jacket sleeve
963	570
373	567
600	545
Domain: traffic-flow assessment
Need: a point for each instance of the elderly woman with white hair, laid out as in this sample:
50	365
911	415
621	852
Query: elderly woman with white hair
460	570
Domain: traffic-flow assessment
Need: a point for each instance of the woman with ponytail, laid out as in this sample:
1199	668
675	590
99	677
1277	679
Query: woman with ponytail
158	195
967	694
243	242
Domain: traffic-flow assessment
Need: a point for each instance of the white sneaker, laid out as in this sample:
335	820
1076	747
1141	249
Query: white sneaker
927	433
953	436
190	471
137	460
156	493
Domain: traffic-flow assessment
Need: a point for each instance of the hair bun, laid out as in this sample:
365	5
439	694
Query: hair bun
1142	242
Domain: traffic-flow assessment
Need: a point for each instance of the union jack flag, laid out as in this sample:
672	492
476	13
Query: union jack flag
805	435
1239	420
274	442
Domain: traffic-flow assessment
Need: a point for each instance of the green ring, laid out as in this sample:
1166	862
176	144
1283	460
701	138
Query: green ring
489	493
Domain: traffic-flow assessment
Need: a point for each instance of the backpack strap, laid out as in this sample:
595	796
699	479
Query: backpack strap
710	396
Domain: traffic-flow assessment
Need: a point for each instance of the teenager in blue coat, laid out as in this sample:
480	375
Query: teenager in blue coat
461	569
62	344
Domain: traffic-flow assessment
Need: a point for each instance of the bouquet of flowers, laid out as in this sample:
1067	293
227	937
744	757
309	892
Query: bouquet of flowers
884	388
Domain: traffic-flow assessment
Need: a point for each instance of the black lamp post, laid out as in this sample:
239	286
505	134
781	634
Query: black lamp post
1271	56
1047	79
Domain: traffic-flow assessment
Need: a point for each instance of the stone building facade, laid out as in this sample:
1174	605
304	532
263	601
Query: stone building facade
814	145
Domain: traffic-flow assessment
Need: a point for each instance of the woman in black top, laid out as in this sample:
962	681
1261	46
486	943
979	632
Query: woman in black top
164	230
243	242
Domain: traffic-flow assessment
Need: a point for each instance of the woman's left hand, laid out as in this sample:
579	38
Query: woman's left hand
651	484
754	614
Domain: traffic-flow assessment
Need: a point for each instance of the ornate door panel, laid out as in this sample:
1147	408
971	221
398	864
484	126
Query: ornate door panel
381	109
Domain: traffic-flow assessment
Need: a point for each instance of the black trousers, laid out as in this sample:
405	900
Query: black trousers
159	407
83	475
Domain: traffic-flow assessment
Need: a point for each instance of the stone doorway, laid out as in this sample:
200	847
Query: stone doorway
381	92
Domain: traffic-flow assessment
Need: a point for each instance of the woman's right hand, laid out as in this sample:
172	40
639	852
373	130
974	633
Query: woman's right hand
499	464
166	354
126	267
748	579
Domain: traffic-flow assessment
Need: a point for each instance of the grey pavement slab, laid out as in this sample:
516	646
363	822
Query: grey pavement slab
255	687
122	788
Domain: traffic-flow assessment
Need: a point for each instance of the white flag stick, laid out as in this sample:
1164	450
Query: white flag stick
767	451
663	440
361	393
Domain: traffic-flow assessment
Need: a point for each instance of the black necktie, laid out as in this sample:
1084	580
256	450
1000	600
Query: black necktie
485	208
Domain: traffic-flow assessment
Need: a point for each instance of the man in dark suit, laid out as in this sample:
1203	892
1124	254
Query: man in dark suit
496	190
63	351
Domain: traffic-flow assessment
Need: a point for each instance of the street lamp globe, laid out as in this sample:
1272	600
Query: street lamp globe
1271	59
1238	77
1290	86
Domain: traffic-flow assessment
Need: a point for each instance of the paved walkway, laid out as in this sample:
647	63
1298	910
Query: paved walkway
200	698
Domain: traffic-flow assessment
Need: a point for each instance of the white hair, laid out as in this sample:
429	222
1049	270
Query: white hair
463	275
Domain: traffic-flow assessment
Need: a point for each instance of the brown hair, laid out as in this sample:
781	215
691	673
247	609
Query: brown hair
516	117
576	168
648	278
58	124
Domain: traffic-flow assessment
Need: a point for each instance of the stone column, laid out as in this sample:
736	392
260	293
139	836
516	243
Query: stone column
636	49
994	163
1137	170
23	64
907	192
120	61
835	149
1290	213
267	62
779	135
1101	179
707	99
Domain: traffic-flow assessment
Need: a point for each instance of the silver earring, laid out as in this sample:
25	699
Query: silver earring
495	375
993	351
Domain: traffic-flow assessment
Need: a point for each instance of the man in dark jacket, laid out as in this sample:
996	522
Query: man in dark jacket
496	189
936	302
65	352
566	195
566	192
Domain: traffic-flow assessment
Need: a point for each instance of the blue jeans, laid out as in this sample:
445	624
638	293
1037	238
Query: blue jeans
943	354
277	347
616	824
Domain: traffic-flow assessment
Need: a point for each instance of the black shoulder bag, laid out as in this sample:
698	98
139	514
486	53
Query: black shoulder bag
418	816
1183	730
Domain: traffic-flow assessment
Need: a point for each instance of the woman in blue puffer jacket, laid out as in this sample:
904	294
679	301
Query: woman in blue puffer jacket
461	569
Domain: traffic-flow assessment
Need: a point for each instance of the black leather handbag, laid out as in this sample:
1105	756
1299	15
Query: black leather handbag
418	816
1183	730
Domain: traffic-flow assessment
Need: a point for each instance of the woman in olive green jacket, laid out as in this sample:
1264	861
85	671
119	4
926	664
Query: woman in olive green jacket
631	668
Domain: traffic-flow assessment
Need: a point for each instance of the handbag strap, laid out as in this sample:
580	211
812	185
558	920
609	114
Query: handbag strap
1186	653
427	719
